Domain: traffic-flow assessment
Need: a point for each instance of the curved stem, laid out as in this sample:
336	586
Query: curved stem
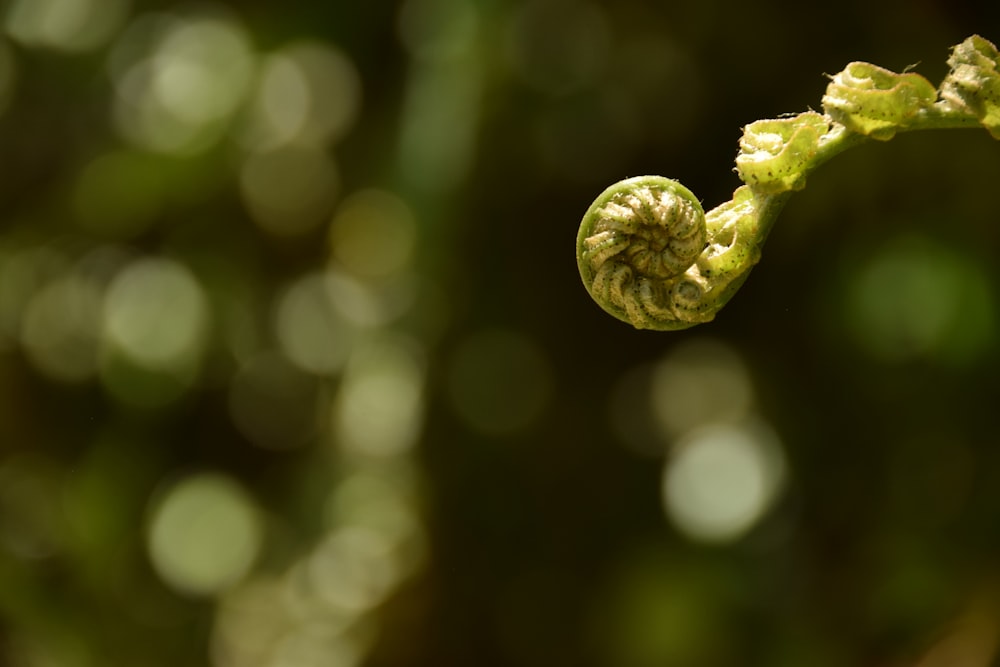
769	207
941	116
638	243
840	139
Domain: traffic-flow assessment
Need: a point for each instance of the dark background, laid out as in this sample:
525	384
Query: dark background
528	454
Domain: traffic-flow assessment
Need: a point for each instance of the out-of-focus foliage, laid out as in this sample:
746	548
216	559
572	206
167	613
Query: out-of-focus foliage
296	369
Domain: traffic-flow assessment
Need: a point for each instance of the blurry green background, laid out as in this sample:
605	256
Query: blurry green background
296	368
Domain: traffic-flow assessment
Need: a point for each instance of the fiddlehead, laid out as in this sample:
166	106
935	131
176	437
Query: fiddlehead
637	247
650	256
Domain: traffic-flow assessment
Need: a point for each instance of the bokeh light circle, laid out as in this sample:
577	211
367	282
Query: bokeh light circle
156	313
721	479
204	534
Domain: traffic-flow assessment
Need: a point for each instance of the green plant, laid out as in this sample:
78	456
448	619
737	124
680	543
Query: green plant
650	255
